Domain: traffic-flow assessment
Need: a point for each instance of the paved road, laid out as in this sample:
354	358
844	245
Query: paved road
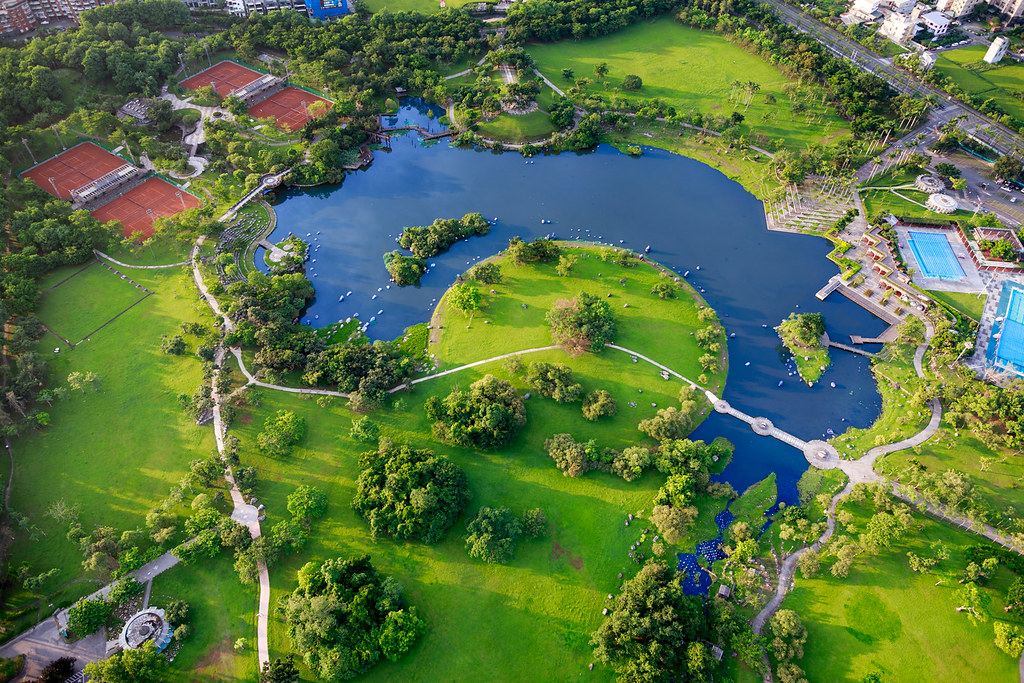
43	643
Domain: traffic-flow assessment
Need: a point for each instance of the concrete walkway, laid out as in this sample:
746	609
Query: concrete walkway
128	265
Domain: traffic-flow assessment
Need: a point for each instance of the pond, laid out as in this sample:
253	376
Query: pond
694	219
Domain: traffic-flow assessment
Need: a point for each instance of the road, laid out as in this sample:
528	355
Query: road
994	134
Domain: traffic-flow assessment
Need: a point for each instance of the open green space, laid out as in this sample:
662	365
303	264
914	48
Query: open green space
222	610
116	449
421	6
645	322
493	622
82	304
525	128
693	71
1000	83
885	617
968	303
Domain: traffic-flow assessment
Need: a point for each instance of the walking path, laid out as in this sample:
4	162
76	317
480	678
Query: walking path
128	265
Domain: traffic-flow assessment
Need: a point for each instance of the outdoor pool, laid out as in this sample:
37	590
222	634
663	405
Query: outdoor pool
935	257
1008	334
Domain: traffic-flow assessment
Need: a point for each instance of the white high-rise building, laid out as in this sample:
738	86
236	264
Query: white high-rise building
956	8
997	50
899	28
1010	9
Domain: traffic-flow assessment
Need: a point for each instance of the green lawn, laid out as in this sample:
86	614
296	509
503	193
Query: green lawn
693	71
967	303
115	450
222	611
886	617
1000	83
421	6
536	613
91	298
644	321
526	128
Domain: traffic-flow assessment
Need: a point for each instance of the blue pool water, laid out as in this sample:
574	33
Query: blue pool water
935	256
689	213
1007	343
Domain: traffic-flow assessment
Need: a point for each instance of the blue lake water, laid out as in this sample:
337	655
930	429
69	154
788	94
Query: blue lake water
690	214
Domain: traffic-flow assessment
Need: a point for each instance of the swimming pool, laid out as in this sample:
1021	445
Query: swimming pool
935	258
1009	347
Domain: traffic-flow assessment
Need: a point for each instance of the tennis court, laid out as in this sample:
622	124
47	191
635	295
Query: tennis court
140	206
72	169
1010	346
934	255
290	107
224	77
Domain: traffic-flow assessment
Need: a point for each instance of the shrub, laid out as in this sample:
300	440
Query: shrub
364	430
88	616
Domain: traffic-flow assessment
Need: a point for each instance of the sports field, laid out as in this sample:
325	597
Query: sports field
73	169
224	77
89	299
693	71
1000	83
140	206
291	107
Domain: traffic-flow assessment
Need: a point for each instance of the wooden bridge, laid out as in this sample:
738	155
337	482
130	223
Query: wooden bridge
424	133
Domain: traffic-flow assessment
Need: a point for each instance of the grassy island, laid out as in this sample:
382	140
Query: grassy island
801	334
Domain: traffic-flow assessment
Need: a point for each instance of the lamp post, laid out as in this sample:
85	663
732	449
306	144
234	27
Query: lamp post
152	218
181	198
54	127
24	141
54	184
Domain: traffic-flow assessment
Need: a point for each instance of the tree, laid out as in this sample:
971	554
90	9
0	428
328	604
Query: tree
1015	597
535	524
632	82
280	433
57	671
338	617
664	290
668	423
486	273
554	380
601	69
599	403
401	629
143	665
1006	168
1009	638
307	503
974	601
947	170
672	522
567	74
465	297
788	635
493	534
646	635
570	456
489	415
280	671
566	262
407	493
88	616
173	345
404	270
584	323
809	564
364	430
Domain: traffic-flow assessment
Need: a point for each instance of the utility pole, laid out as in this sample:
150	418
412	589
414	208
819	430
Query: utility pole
54	127
178	195
184	69
53	182
207	48
24	141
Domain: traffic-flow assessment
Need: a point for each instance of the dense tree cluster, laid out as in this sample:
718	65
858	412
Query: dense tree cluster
435	238
489	415
345	614
360	368
540	249
494	531
599	403
654	630
554	380
281	432
550	20
404	269
583	323
408	493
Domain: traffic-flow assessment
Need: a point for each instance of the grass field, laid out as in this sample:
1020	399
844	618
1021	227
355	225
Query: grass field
967	303
117	449
693	71
999	83
536	613
886	617
526	128
82	304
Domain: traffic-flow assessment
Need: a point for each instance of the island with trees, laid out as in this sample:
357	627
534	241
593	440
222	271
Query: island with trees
801	334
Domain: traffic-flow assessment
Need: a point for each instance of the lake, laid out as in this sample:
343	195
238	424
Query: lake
691	216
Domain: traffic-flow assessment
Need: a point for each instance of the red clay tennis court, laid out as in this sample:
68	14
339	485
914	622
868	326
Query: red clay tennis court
228	77
131	208
286	107
73	169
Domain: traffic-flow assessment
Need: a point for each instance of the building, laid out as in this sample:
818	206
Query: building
326	9
997	50
16	17
243	8
902	6
927	60
936	22
899	28
1010	9
862	11
956	8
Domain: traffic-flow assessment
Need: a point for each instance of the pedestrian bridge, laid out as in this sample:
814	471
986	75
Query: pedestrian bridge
821	454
